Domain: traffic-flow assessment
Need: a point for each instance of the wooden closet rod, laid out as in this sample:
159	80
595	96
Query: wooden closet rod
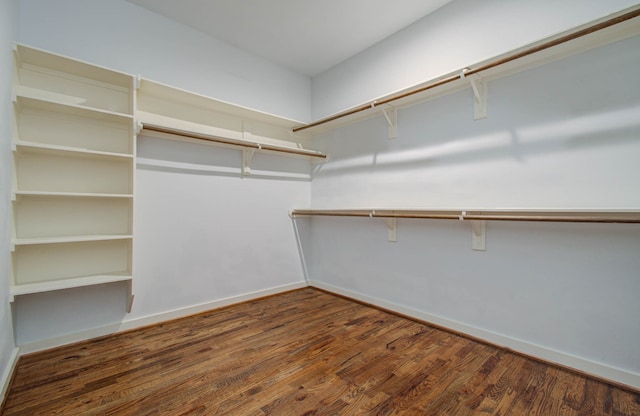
544	216
233	142
470	71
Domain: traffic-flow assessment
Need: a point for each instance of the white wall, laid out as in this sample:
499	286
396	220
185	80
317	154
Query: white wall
565	135
555	137
8	32
212	236
460	34
123	36
203	234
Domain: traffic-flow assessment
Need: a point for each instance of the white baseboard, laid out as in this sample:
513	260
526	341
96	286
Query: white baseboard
8	373
153	319
596	369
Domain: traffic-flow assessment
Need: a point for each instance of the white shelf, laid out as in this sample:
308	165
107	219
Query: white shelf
604	31
69	239
73	160
39	263
50	123
31	288
156	98
72	194
27	55
56	78
54	216
48	170
162	105
55	149
30	97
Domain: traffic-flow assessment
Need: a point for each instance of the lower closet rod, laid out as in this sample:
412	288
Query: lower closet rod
573	216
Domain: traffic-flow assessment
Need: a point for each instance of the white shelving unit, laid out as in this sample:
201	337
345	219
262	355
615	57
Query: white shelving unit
74	158
171	113
74	161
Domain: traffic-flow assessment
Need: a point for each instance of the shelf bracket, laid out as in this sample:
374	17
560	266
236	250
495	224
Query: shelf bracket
247	155
391	114
480	92
392	230
478	235
130	296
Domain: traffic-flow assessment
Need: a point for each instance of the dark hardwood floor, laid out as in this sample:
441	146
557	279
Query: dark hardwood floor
304	352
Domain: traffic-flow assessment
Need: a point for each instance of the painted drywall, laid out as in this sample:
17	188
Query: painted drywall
566	293
203	233
8	33
564	135
122	36
458	35
229	235
426	166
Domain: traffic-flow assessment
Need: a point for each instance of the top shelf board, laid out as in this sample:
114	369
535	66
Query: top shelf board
25	55
161	93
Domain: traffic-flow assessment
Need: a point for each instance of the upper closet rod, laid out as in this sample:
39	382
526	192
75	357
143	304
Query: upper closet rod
470	71
232	142
544	216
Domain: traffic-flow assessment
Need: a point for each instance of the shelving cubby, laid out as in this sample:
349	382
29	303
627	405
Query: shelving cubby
74	162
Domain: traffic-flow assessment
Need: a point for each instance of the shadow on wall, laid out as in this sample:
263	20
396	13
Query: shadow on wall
517	142
578	103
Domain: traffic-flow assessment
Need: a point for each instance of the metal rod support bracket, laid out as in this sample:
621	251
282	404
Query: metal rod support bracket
247	155
391	114
480	92
478	235
130	296
392	230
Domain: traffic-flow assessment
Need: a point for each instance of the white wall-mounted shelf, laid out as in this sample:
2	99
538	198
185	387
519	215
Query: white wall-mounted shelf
18	194
52	170
38	216
56	78
74	159
478	217
64	260
18	145
33	288
619	26
171	113
47	122
69	239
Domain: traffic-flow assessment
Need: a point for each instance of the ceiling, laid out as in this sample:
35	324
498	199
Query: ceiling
307	36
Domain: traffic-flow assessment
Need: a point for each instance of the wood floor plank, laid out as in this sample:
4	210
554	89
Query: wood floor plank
304	352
